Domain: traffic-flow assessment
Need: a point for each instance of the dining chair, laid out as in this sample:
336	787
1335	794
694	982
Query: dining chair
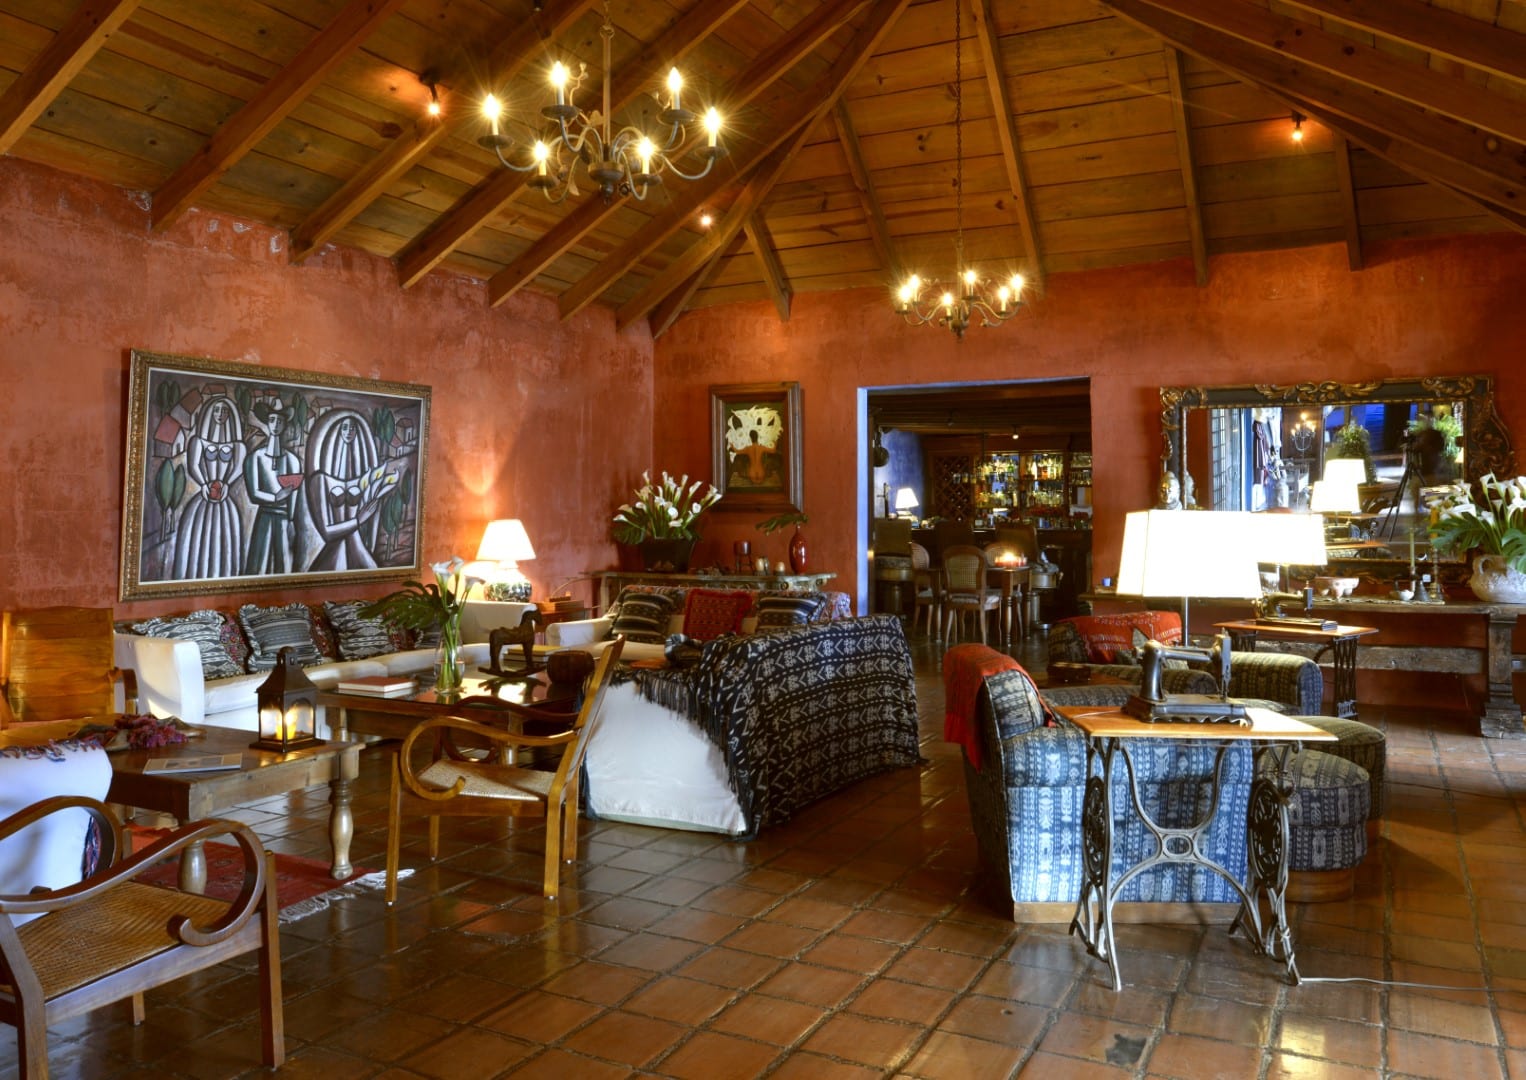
966	589
927	588
453	785
56	664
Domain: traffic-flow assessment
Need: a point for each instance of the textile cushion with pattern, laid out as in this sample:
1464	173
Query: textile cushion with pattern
272	629
1103	639
785	610
643	617
206	629
355	636
709	613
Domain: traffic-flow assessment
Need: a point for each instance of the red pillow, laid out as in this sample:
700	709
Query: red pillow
1108	636
709	613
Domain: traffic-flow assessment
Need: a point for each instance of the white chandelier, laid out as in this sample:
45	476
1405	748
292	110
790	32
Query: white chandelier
968	296
624	161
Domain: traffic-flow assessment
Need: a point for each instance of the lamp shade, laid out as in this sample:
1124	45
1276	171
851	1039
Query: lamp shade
1336	492
1187	553
906	499
505	541
1288	539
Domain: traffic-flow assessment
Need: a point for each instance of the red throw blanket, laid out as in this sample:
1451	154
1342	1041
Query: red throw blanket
965	668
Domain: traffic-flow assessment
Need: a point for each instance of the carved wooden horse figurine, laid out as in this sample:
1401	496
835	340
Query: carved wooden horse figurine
522	635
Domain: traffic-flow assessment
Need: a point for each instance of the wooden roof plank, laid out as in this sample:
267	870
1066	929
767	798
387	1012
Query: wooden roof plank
1189	167
774	279
543	252
46	76
1434	29
768	173
1348	204
675	303
1006	134
516	50
268	107
879	231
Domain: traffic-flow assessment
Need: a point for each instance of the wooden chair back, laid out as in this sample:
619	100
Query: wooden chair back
964	570
56	663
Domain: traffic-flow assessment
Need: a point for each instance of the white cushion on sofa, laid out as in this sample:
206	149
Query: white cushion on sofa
234	692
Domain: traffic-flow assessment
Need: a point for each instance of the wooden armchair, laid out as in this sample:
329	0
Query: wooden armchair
110	937
457	787
56	665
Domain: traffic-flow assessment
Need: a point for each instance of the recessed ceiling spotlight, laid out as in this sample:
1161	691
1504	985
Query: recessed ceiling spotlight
705	221
1298	127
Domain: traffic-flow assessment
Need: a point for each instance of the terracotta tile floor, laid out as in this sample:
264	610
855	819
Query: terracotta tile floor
849	944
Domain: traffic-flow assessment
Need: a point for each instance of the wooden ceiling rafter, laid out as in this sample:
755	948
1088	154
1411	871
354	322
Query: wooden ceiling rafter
673	305
1177	78
1365	66
771	169
75	44
1436	30
271	104
487	199
863	183
1431	147
1350	219
519	47
774	278
1004	117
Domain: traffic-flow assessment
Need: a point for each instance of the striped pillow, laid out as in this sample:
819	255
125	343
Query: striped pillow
644	617
272	629
356	636
205	628
782	612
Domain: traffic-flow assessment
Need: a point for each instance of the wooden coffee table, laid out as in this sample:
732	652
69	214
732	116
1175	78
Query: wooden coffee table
394	717
197	795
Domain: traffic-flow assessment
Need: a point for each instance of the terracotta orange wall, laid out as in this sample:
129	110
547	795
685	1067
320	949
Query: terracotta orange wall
532	418
1421	307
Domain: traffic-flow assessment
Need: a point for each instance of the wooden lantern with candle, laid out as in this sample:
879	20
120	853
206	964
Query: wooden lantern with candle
288	707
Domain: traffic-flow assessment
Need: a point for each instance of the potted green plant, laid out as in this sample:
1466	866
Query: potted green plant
797	541
421	606
660	520
1353	441
1495	534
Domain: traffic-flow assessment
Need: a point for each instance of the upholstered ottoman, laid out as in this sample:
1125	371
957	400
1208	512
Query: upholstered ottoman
1327	825
1364	745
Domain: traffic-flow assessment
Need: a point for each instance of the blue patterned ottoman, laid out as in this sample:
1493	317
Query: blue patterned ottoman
1364	745
1327	825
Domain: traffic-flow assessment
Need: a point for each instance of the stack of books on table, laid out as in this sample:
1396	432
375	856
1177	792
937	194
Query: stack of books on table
378	685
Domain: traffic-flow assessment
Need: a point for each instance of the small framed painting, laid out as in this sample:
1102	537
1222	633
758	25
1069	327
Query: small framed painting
755	444
241	476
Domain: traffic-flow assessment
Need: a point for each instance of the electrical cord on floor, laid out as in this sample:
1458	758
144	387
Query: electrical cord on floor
1388	982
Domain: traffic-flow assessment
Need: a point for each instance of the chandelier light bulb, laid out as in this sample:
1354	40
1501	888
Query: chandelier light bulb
492	109
1017	284
675	84
540	152
712	124
1003	294
947	300
644	150
559	76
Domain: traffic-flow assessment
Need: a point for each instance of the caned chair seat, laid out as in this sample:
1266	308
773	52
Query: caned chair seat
966	590
489	781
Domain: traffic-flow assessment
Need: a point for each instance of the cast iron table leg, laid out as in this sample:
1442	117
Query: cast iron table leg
1093	921
1266	829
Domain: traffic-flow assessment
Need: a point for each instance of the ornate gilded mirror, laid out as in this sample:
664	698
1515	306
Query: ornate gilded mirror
1264	447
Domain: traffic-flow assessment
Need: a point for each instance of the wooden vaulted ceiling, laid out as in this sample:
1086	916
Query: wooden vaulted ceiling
1096	133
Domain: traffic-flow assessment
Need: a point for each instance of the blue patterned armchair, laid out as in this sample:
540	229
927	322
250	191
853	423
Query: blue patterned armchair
1025	802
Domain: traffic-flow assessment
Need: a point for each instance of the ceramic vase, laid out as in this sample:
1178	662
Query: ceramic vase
668	556
1496	581
797	552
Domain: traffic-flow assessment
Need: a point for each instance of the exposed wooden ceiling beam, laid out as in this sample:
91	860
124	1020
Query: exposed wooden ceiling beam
762	181
477	207
879	230
1349	219
1404	133
51	70
1434	29
801	41
1006	133
271	104
1364	65
522	45
1178	82
673	305
541	254
774	279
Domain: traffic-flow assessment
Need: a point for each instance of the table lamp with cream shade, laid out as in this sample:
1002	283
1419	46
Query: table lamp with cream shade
906	502
1186	554
1336	490
505	544
1287	540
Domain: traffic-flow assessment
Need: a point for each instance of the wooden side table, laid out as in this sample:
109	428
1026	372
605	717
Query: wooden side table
1341	643
1108	733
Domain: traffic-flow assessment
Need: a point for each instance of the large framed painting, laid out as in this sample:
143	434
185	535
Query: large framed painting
755	442
241	476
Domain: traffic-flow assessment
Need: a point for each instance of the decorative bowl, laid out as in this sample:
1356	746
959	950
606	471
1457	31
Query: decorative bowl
1404	594
1335	587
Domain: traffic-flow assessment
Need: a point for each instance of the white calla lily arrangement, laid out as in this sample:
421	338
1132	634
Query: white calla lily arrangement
422	607
664	511
1498	527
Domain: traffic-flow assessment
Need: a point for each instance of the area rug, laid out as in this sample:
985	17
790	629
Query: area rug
303	886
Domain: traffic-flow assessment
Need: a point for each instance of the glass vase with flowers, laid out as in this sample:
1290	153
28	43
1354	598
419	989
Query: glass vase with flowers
660	521
421	607
1494	532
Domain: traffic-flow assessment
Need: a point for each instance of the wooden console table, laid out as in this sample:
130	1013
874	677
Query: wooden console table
615	580
1341	641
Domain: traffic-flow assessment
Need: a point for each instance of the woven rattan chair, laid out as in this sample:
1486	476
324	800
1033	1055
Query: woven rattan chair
966	589
928	586
456	787
109	937
56	665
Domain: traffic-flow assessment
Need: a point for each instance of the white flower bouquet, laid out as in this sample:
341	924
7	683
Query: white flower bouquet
1498	527
664	511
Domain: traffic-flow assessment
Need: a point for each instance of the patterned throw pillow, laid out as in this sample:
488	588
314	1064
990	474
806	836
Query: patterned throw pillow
644	617
781	612
709	613
356	636
205	628
271	629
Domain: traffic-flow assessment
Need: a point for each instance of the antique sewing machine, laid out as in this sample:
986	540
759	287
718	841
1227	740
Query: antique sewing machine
1153	704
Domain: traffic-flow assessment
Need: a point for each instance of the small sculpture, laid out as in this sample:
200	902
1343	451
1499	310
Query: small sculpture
1189	491
1170	491
522	635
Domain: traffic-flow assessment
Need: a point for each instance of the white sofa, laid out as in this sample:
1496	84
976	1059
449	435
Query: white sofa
170	681
48	853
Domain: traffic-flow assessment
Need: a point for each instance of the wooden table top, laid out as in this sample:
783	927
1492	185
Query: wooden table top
1100	722
1310	633
534	691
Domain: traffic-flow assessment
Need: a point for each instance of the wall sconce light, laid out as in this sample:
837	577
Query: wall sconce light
287	702
1298	127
